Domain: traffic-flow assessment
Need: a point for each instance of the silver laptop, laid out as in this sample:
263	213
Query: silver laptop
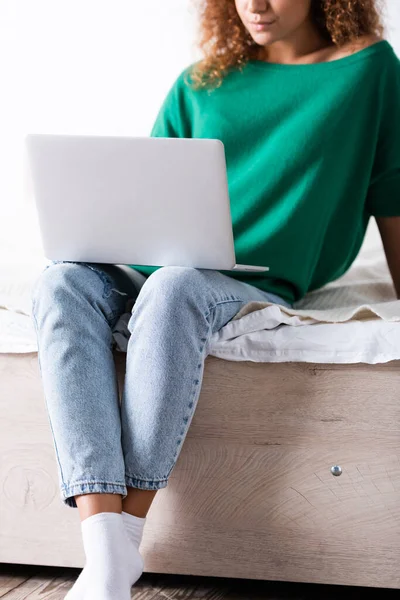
133	200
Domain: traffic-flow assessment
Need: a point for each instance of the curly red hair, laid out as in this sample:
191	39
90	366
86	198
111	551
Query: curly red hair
226	43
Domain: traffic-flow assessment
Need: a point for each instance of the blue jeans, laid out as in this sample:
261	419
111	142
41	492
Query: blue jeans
103	445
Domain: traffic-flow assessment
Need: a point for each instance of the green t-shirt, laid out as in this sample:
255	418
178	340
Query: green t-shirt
312	151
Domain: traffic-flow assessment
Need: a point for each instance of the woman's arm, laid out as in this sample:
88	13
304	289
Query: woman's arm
389	228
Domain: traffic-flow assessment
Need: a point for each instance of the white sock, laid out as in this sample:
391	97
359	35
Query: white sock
113	562
134	526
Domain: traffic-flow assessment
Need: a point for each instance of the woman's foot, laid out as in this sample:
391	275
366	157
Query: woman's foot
113	561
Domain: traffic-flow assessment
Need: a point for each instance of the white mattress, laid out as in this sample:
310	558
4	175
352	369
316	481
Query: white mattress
355	319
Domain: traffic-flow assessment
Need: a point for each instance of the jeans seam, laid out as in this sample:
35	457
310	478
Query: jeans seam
196	381
187	418
213	307
151	479
87	481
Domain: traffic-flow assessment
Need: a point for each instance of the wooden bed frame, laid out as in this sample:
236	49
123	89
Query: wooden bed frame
252	494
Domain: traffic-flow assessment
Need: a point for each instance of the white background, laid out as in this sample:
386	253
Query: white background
89	66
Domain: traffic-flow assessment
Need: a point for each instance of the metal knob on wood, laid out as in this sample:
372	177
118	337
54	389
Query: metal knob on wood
336	470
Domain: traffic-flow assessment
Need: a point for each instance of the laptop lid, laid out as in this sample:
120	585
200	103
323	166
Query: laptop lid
132	200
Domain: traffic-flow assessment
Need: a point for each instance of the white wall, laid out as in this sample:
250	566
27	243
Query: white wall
391	11
90	66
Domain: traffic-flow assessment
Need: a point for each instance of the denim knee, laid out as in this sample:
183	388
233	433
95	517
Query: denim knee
171	285
61	279
47	285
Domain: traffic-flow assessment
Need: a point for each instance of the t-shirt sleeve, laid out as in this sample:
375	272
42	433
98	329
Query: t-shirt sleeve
173	119
383	198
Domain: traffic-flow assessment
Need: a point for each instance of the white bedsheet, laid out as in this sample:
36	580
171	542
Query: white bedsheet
354	319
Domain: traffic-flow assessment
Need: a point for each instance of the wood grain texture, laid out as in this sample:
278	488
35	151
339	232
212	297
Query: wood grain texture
52	583
252	494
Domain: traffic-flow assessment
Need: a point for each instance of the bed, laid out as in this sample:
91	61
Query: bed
290	470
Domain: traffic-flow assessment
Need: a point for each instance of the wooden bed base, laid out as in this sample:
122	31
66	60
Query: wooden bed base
252	494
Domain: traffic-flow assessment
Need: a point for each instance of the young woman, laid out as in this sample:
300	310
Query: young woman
305	96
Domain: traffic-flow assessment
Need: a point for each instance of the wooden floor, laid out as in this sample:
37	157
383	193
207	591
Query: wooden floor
21	582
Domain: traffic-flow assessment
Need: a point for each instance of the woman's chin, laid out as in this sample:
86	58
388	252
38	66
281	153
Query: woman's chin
263	37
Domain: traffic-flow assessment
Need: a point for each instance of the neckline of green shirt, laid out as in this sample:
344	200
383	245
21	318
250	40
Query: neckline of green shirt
331	64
